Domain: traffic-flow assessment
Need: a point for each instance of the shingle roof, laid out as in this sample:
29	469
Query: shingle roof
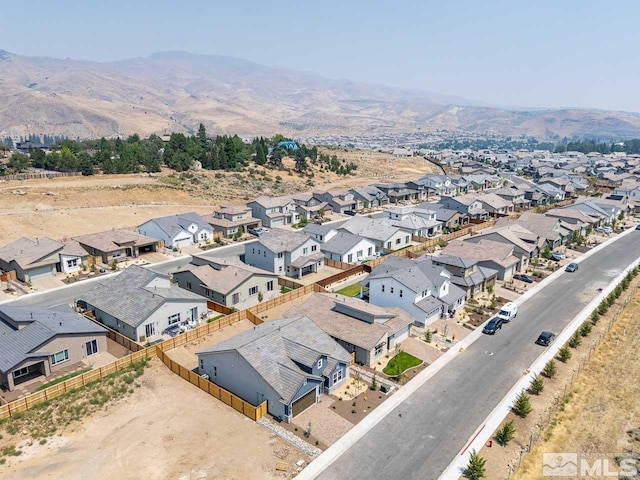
315	229
73	248
28	252
221	281
38	325
342	242
135	294
112	240
484	250
379	229
417	274
279	240
271	202
269	349
172	224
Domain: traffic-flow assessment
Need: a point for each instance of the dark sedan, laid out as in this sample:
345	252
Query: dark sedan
546	338
572	267
524	277
493	326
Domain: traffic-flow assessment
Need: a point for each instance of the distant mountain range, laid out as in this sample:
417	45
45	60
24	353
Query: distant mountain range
175	91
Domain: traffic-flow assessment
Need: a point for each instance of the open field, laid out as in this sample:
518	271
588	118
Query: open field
166	428
68	206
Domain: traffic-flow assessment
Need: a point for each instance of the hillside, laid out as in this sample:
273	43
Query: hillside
175	91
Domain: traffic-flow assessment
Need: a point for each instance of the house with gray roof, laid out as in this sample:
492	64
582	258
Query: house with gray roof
418	286
421	221
117	245
320	232
39	341
178	231
31	258
546	227
237	286
468	204
73	256
348	248
490	254
289	363
368	331
526	244
228	219
466	273
274	211
140	304
284	252
451	219
380	231
369	197
340	201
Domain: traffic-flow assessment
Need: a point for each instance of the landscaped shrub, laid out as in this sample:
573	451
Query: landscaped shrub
476	468
505	433
537	385
575	340
585	329
522	405
550	369
564	354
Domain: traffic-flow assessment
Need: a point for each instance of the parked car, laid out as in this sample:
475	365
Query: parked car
546	338
607	230
351	213
507	312
557	256
258	231
572	267
638	227
493	326
524	277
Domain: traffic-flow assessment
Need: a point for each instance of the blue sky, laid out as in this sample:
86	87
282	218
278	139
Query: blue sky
560	53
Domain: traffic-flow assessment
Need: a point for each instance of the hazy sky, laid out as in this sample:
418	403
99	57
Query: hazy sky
559	53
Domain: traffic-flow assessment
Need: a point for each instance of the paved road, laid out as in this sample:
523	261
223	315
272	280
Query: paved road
420	437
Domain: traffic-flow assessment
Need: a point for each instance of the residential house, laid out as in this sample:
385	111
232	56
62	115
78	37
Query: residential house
289	363
381	231
546	227
451	219
320	232
498	256
398	192
369	197
633	191
437	184
421	221
73	257
141	304
177	231
310	207
515	196
368	331
340	201
293	254
574	220
40	341
229	219
466	273
468	204
117	245
527	245
274	211
237	286
607	212
31	258
418	286
495	204
348	248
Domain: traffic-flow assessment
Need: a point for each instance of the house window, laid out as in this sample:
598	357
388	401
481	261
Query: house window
253	291
91	347
215	371
270	286
115	254
305	250
370	251
388	244
280	255
21	372
150	329
60	357
314	248
359	254
201	364
382	288
264	254
379	349
406	239
400	293
398	240
235	299
350	258
188	285
280	269
72	263
391	289
175	318
337	376
320	363
253	251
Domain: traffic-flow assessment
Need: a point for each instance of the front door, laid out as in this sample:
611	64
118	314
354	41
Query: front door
194	314
150	329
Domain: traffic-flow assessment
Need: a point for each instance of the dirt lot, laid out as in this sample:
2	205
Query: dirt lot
166	429
68	206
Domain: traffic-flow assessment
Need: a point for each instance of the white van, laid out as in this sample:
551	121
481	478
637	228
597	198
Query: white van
508	311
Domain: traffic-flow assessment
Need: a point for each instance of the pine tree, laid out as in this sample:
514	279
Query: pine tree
585	329
550	369
505	433
537	385
476	467
564	354
575	340
522	405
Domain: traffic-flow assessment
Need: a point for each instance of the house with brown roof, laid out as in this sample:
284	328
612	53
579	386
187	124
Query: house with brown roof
359	327
228	219
498	256
117	245
31	258
73	256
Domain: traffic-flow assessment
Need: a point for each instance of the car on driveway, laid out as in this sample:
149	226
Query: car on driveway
607	230
258	231
546	338
572	267
493	326
557	256
524	277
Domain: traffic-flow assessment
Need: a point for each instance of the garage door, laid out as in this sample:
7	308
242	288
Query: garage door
41	272
402	335
303	403
182	242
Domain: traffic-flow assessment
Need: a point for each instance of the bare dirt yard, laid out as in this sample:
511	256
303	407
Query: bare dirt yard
67	206
166	428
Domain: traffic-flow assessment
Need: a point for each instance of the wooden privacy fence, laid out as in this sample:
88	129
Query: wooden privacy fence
352	272
287	297
54	391
285	282
217	307
242	406
201	331
337	264
117	337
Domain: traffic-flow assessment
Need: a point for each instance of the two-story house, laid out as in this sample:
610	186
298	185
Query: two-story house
341	201
309	206
289	363
369	197
348	248
418	286
381	231
515	196
495	205
274	211
466	273
228	219
433	184
398	192
178	231
287	253
468	204
421	221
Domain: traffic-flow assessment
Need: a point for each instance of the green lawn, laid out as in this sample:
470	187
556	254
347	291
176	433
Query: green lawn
62	379
350	291
401	362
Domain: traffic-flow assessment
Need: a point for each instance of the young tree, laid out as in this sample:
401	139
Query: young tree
476	467
522	405
564	354
575	340
537	385
19	163
550	369
505	433
585	329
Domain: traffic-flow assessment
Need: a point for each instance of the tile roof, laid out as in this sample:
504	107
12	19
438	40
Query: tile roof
133	295
172	224
279	240
37	325
484	250
112	240
342	242
416	274
380	229
28	252
73	248
270	348
222	281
